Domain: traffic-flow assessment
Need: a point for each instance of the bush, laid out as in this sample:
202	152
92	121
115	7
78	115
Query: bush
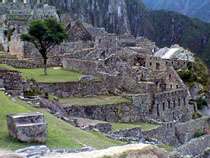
201	103
199	133
196	115
195	72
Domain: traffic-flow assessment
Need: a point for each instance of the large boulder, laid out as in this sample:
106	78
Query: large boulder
27	127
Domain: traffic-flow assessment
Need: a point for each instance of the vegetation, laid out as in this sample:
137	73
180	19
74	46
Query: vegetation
97	100
143	125
201	103
195	73
196	115
199	133
45	35
60	133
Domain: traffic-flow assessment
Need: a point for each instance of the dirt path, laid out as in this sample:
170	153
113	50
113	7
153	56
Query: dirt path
132	151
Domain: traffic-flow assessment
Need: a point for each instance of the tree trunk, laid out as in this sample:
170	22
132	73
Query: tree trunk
45	66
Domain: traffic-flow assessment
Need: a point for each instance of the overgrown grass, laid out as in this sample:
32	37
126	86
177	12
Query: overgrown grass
60	133
143	125
96	100
54	74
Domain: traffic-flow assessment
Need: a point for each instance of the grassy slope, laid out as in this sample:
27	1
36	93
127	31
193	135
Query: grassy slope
96	100
54	75
60	134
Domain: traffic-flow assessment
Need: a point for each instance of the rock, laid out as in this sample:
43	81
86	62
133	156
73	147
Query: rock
33	151
27	127
195	90
206	153
87	78
129	135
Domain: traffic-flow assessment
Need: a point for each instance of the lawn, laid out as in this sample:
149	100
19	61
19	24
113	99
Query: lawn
54	74
60	133
143	125
96	100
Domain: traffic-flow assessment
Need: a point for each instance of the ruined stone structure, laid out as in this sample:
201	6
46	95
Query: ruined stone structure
156	89
27	127
11	81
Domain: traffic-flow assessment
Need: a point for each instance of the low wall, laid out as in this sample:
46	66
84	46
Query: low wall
186	131
32	63
124	112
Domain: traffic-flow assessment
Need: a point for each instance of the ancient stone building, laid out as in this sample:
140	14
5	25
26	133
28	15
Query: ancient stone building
157	90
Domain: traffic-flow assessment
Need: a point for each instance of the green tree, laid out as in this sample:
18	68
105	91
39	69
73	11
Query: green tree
45	35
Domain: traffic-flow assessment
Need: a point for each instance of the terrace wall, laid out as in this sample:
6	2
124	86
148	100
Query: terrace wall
80	88
124	112
11	81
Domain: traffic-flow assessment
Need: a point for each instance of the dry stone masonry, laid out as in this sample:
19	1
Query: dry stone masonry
112	64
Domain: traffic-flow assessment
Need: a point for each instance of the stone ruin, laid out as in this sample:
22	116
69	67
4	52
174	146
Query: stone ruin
27	127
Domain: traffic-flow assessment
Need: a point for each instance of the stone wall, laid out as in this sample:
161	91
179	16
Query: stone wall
165	106
165	134
124	112
195	146
11	81
32	63
81	88
172	105
186	131
85	66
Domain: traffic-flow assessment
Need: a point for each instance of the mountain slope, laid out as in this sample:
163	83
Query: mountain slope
131	16
193	8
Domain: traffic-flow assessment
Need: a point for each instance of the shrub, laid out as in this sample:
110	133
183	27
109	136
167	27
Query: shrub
199	133
196	115
195	72
201	103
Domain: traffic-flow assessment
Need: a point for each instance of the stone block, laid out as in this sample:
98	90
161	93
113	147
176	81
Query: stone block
27	127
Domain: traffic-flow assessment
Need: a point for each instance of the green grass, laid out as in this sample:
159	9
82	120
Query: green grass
60	133
54	74
144	126
4	66
96	100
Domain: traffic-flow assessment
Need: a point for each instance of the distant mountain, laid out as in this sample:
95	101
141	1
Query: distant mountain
193	8
131	16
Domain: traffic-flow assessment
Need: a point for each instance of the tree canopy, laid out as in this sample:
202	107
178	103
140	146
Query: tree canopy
45	35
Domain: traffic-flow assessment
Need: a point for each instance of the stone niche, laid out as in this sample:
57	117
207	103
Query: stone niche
27	127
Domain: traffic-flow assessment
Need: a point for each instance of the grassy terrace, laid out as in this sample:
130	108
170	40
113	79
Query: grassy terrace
144	126
54	74
60	134
97	100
